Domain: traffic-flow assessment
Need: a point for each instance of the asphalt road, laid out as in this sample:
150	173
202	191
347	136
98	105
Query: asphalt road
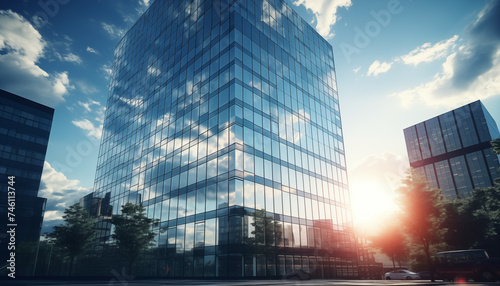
127	281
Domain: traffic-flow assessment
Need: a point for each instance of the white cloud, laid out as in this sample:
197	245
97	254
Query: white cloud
91	50
424	54
377	68
153	71
86	87
59	191
143	6
266	18
144	3
88	104
61	83
356	70
386	169
93	123
107	70
21	47
92	130
441	91
427	53
72	58
472	72
38	21
325	12
53	215
112	30
19	36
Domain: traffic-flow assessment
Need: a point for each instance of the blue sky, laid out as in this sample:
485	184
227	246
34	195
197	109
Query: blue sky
398	63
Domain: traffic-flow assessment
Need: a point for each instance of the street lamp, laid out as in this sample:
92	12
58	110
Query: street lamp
50	257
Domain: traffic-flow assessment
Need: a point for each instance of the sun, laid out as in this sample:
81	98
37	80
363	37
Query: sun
372	206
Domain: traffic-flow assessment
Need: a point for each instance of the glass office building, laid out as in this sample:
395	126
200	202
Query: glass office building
453	150
223	120
24	136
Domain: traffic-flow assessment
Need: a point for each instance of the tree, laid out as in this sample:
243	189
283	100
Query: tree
474	222
392	242
421	213
75	234
496	145
133	232
264	234
464	227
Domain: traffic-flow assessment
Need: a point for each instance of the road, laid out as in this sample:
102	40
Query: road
128	281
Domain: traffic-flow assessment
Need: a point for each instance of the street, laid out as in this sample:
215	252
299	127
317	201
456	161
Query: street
128	281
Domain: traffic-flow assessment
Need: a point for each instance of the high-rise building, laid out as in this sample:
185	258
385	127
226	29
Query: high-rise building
223	120
24	135
453	150
368	267
91	204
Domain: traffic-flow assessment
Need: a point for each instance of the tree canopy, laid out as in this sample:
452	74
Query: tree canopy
133	231
432	224
496	145
266	231
474	222
421	213
392	242
75	234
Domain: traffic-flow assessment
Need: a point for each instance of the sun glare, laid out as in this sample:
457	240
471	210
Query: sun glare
372	206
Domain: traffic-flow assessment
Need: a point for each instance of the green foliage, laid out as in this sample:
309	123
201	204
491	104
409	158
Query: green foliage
133	231
264	233
496	148
26	252
421	214
392	242
496	145
434	225
464	227
417	258
265	229
474	222
75	234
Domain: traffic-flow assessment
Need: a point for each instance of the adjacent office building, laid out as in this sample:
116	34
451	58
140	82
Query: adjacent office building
453	150
24	135
368	267
223	120
91	204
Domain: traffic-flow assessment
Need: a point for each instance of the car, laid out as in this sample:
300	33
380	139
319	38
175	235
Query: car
425	275
299	275
462	265
401	274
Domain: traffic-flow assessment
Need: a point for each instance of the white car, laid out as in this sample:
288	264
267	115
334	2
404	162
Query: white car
401	274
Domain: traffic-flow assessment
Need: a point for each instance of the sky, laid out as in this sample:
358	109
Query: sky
398	63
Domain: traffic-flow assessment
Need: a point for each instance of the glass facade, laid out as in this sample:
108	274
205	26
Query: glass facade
24	135
453	150
223	120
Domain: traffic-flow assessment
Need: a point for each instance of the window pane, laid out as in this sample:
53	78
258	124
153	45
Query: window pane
211	197
249	194
210	232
